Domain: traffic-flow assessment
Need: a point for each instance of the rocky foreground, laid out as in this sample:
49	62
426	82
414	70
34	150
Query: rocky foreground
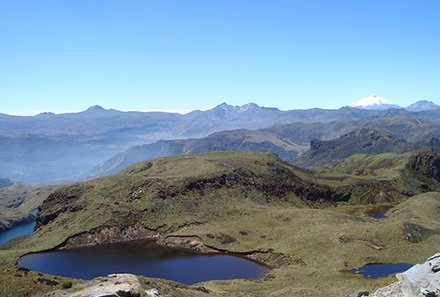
422	280
112	285
128	285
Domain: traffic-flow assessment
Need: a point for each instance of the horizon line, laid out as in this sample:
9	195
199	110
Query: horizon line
32	113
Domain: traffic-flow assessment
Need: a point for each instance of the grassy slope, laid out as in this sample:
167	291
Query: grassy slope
25	197
111	203
323	243
319	242
382	178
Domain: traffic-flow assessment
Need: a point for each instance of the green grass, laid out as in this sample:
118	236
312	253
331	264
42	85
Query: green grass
18	283
228	193
381	166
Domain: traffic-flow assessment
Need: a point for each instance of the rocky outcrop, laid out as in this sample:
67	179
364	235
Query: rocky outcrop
61	201
128	285
422	280
415	233
276	181
425	163
111	235
362	141
195	245
115	285
189	243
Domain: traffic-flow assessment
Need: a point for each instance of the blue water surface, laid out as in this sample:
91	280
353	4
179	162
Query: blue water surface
381	269
142	258
377	216
20	230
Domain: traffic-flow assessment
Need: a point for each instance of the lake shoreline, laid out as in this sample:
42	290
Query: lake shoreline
188	243
146	258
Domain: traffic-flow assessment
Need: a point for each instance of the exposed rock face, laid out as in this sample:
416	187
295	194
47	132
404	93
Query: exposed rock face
191	243
111	235
61	201
129	285
420	281
417	233
195	245
362	141
425	163
115	285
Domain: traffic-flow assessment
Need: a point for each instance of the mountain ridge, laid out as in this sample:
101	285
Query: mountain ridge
113	132
422	105
362	141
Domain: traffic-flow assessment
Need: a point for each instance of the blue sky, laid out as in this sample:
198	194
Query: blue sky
182	55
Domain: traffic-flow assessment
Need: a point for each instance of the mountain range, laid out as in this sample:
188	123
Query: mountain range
376	102
315	143
363	141
61	147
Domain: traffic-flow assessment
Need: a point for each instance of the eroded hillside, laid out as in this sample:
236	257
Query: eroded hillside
258	206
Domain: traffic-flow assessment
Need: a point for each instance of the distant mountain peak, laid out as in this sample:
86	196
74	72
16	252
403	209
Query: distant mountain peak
370	100
374	102
223	105
249	106
46	113
422	105
95	108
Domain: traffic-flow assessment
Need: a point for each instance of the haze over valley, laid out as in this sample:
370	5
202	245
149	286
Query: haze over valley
99	141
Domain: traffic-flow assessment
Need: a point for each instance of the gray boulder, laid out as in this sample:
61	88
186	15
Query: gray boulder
422	280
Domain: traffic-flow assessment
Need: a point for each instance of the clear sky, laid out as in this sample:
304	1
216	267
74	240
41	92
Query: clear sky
64	55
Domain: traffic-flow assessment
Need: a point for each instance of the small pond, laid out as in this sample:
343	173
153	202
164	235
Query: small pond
378	212
142	258
381	269
20	230
377	216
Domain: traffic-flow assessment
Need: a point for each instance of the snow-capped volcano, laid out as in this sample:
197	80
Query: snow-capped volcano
374	102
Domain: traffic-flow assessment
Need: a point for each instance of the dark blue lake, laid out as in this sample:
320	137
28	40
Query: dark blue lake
142	258
20	230
380	269
377	216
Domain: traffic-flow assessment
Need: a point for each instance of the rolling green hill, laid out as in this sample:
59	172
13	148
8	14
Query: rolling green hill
257	205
